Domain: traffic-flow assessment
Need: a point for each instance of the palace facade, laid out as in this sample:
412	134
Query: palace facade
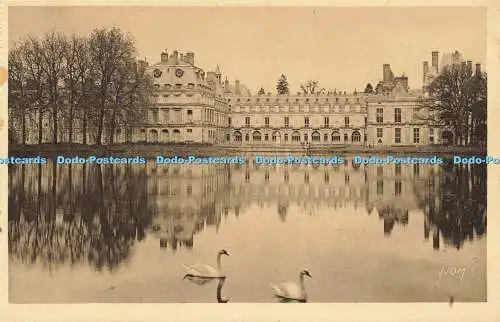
194	106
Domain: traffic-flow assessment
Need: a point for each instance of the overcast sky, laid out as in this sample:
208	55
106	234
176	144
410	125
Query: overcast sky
343	48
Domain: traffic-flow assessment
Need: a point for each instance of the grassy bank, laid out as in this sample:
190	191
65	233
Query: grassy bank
204	149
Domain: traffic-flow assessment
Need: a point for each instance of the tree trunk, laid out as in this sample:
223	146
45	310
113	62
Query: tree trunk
40	123
23	125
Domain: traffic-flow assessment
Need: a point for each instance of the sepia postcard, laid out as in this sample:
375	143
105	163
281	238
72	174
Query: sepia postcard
160	159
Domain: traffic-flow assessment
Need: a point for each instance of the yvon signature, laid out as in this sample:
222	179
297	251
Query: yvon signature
454	272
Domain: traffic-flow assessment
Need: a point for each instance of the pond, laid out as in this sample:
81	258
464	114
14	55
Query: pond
369	233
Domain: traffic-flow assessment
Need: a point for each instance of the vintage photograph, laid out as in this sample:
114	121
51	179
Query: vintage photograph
163	154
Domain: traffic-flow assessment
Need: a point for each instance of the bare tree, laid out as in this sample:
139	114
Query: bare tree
53	51
131	90
31	49
18	92
312	87
109	50
457	98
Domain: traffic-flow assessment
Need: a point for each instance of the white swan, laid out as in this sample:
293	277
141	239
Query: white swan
205	270
291	291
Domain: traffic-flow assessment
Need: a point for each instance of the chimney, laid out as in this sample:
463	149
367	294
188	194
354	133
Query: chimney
478	69
190	58
237	87
386	72
182	57
164	56
226	85
469	65
176	57
426	69
435	57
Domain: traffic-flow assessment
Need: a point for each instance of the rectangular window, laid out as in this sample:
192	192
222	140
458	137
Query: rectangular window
416	170
397	187
397	168
431	131
247	121
397	115
266	137
287	121
380	171
190	130
379	116
266	121
346	120
189	112
306	122
306	137
380	132
416	135
327	121
380	187
397	135
229	121
155	116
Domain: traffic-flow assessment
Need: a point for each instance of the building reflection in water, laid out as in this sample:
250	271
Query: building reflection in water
95	213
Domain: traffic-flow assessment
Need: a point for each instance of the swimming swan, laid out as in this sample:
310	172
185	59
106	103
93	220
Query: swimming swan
205	270
291	291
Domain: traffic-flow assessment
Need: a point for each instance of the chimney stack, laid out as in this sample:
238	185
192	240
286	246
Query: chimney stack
176	57
426	70
469	65
478	69
182	57
237	87
386	69
435	57
164	56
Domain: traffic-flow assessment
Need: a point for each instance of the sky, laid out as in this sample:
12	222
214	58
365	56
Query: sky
341	47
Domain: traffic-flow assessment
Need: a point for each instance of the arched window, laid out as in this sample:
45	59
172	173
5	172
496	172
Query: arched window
154	135
256	136
356	137
316	137
276	135
336	136
296	136
237	136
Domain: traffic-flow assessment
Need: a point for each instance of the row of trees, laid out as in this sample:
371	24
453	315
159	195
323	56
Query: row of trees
91	83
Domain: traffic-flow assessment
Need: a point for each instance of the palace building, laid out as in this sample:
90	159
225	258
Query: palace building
194	106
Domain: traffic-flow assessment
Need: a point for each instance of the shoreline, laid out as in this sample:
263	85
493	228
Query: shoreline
212	150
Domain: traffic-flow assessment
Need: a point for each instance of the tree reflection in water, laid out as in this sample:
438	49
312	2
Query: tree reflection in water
458	211
94	214
77	213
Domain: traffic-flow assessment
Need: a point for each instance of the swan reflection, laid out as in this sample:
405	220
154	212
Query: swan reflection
207	280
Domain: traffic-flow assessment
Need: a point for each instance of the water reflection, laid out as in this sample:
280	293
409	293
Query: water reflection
208	280
94	214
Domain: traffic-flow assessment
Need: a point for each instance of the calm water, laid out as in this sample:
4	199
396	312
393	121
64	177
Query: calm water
367	234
